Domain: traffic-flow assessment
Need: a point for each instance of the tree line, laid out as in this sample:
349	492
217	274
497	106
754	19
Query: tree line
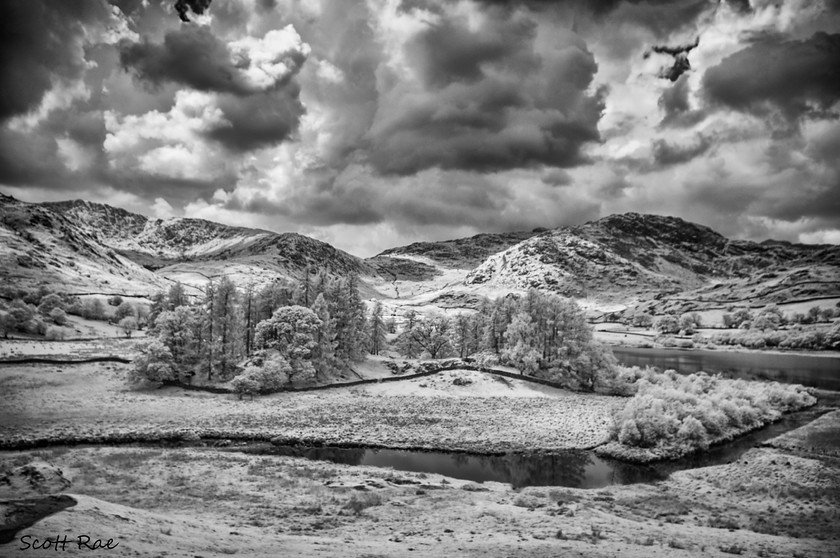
307	331
315	326
542	335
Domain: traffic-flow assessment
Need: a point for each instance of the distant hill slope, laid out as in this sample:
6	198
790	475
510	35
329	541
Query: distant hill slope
656	262
633	254
150	253
39	245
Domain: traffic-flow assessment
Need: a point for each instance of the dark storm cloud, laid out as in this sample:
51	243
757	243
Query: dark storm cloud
493	103
191	56
659	16
258	120
557	178
40	40
795	77
446	53
668	154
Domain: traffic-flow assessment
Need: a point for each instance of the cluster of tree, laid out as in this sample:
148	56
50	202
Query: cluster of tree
542	335
772	318
285	332
797	337
35	312
677	414
686	324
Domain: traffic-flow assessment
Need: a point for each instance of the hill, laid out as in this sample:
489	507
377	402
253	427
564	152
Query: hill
631	260
625	260
117	250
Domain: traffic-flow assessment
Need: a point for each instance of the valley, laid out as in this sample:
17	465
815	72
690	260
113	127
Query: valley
166	462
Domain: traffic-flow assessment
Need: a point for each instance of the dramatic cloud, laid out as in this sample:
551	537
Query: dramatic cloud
666	154
195	57
795	77
29	62
370	123
485	92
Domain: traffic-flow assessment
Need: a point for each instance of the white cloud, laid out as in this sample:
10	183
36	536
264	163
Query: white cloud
168	143
266	62
162	209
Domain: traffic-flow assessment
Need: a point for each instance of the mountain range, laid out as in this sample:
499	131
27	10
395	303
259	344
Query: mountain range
620	261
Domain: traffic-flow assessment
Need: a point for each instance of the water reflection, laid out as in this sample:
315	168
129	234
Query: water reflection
571	468
815	371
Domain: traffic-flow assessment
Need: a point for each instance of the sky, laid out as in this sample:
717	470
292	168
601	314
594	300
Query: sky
370	124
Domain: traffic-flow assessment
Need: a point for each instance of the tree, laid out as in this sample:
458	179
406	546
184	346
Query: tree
348	311
224	316
642	319
115	300
6	324
21	314
49	303
405	342
432	334
128	324
376	330
690	322
668	324
323	357
176	330
159	304
58	316
291	331
522	340
124	310
93	309
176	296
464	338
741	317
155	363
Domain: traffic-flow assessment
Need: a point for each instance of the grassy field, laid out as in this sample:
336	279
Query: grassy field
208	502
93	402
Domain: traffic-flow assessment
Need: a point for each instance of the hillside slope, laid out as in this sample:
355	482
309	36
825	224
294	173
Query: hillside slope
41	246
634	256
47	243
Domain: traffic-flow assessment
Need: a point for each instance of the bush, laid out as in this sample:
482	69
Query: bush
268	372
245	385
668	324
50	303
124	310
128	325
58	316
360	502
678	414
55	333
115	300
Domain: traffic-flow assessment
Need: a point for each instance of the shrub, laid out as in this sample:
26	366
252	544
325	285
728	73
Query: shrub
55	333
50	303
124	310
668	324
245	385
128	325
58	316
115	300
679	414
360	502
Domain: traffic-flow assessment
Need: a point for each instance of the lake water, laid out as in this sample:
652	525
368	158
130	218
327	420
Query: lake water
814	371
